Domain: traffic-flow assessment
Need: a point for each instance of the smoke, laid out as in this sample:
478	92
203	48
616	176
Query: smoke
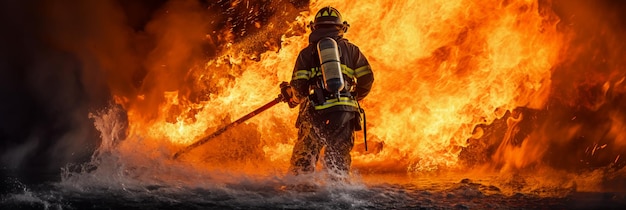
62	60
57	65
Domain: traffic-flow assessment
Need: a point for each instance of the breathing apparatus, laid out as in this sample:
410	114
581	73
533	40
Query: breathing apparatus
328	53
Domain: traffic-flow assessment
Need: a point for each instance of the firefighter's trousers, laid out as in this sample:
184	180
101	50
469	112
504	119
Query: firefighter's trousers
332	133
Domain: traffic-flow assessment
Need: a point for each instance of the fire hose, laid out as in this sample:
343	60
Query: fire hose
233	124
268	105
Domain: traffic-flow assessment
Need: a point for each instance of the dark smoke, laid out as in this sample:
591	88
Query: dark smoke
61	60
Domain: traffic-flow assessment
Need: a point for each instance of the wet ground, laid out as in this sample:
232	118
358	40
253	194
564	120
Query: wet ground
380	191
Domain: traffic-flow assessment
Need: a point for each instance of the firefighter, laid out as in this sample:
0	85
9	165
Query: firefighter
329	78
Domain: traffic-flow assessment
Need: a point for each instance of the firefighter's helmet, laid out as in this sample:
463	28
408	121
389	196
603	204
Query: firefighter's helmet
329	16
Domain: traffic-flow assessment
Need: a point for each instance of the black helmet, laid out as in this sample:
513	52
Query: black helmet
329	16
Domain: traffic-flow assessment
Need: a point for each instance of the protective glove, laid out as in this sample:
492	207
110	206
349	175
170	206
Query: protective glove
286	93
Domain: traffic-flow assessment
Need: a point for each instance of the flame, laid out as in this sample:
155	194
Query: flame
445	71
443	67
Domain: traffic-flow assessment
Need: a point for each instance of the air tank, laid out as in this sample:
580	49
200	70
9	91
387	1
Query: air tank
328	52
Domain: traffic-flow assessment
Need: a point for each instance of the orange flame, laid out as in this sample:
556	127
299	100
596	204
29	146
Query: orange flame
441	67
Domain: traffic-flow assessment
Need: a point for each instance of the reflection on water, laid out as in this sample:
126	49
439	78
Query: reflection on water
373	191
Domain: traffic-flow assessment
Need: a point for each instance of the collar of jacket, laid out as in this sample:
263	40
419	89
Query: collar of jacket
320	33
